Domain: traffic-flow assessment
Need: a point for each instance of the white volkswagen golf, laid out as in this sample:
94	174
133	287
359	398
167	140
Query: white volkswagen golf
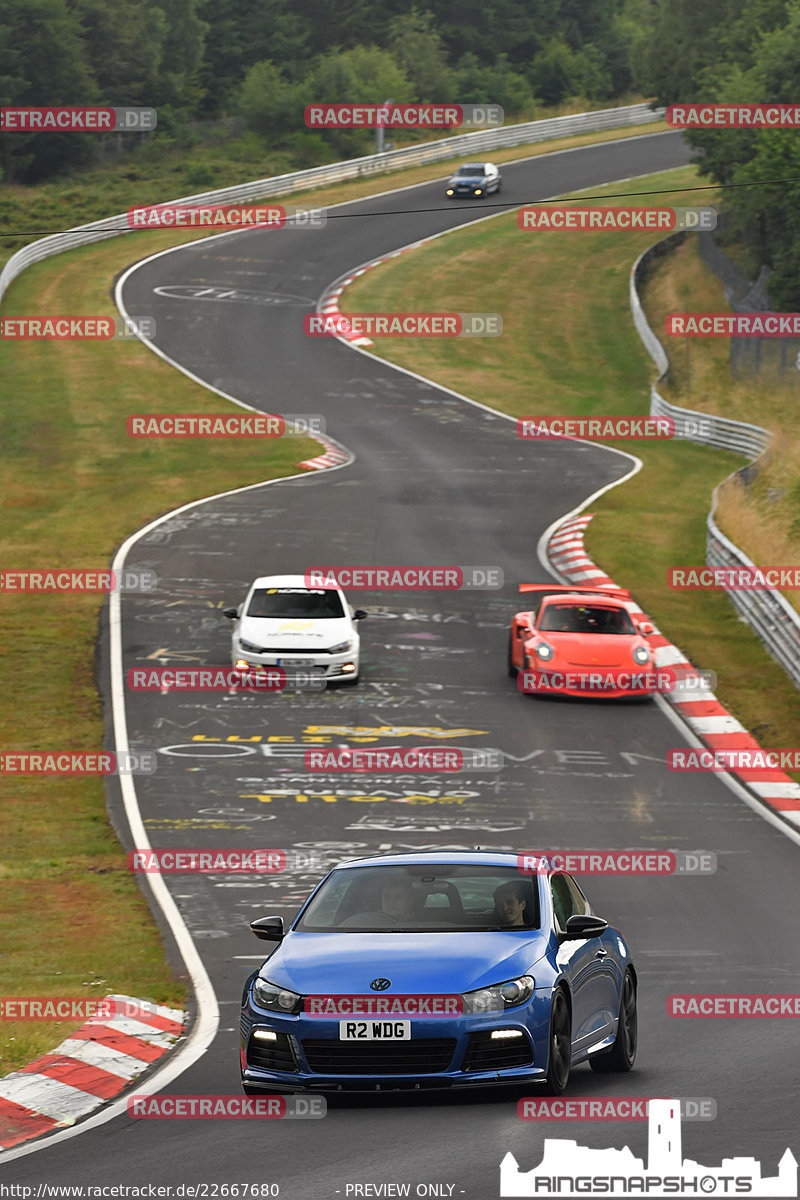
285	623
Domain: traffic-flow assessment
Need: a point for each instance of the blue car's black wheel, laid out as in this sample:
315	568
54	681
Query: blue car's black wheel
622	1054
560	1051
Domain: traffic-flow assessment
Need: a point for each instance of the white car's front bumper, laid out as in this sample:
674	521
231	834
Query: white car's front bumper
335	666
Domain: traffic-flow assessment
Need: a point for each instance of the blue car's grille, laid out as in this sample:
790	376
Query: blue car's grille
271	1056
485	1053
422	1056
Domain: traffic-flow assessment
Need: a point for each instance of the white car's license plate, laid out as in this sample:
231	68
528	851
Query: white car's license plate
292	662
374	1031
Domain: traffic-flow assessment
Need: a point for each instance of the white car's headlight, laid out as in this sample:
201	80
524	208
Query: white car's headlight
271	996
249	646
641	654
499	996
340	648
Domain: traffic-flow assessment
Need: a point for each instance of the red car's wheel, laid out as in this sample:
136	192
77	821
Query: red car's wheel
512	670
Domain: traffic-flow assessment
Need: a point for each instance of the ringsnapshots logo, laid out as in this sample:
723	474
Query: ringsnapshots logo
568	1169
225	216
402	116
221	425
427	325
403	759
76	581
219	679
733	116
232	1108
738	325
620	218
617	862
405	578
76	329
71	762
616	1108
78	119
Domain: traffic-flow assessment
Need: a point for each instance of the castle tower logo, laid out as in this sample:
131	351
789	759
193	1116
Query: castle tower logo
568	1169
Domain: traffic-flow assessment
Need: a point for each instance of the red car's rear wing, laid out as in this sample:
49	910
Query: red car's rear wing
550	589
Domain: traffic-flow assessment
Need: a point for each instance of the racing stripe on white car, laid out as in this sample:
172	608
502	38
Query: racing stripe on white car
704	714
94	1063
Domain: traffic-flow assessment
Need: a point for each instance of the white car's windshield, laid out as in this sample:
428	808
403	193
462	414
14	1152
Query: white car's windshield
295	602
423	898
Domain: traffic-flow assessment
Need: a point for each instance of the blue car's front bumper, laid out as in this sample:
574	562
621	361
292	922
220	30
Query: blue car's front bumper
306	1053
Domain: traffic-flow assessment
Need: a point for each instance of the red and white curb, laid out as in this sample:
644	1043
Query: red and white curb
333	456
329	302
89	1068
704	714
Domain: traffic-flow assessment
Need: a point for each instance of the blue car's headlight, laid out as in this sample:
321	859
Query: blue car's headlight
249	646
277	999
499	996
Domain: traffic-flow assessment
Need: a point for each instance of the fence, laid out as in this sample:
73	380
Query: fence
464	144
767	612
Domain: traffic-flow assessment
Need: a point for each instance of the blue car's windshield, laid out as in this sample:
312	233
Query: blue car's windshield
423	898
470	169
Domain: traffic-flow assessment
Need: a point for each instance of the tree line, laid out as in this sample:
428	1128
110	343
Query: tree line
263	61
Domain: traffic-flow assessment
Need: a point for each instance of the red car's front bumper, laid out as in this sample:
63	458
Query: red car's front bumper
593	682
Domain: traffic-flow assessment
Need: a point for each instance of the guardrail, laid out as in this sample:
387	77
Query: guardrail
354	168
767	612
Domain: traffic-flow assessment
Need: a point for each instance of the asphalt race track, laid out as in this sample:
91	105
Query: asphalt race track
434	481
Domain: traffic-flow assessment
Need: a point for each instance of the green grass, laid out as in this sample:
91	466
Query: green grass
72	920
762	518
569	347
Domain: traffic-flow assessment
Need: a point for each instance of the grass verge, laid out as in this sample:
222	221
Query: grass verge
568	336
762	517
72	920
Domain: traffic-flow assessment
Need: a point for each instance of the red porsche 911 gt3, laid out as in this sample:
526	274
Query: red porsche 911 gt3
581	641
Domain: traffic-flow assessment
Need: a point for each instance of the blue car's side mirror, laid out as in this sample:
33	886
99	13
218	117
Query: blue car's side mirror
584	926
268	929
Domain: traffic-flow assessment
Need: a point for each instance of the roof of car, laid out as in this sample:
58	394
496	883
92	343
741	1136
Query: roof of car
282	581
486	858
